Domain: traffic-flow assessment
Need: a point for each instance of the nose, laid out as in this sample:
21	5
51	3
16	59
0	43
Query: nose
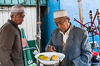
22	19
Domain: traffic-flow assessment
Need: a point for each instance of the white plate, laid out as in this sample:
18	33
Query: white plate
49	54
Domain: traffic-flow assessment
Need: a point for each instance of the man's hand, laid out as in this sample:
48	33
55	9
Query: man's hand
51	49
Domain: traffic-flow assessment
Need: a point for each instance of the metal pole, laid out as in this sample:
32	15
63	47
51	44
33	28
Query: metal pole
38	26
91	16
81	12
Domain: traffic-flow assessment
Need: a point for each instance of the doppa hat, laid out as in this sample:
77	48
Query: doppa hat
17	9
60	13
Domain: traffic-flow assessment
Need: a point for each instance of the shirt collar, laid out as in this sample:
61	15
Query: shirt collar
14	24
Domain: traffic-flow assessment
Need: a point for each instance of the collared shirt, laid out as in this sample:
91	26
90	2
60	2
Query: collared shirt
65	36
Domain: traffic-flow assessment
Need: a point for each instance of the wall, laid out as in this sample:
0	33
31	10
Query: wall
28	2
48	20
29	23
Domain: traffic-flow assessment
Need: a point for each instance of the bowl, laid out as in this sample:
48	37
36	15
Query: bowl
49	54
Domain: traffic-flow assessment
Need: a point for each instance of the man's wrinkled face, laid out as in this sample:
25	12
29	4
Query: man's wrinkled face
62	24
18	18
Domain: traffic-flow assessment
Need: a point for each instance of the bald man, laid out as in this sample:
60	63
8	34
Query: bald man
11	52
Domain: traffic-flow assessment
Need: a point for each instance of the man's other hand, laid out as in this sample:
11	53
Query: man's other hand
51	49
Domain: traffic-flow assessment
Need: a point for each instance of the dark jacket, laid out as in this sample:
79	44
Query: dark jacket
11	53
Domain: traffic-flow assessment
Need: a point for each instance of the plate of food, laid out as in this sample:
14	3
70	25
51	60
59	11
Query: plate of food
50	58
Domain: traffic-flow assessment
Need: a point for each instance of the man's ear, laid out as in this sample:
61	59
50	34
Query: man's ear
11	16
68	19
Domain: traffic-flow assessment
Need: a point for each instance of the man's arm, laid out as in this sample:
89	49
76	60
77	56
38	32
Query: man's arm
50	47
85	54
49	44
6	43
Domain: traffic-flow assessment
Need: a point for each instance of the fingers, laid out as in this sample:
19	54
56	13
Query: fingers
51	49
54	49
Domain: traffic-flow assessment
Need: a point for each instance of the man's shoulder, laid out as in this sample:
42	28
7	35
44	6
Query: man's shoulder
6	26
78	29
